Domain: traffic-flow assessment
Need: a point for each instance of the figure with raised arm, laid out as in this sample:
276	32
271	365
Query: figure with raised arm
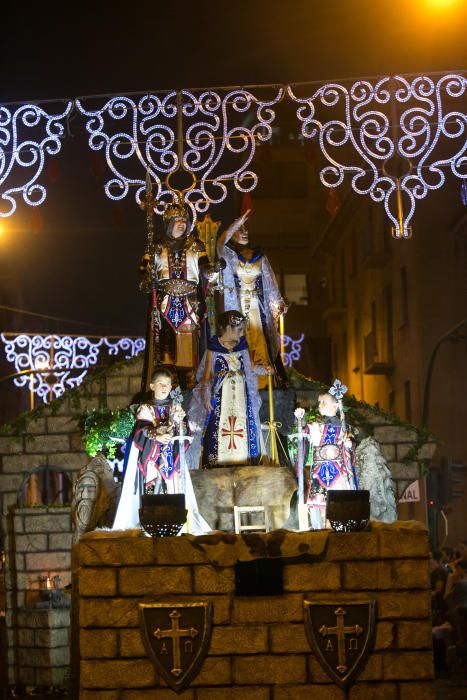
250	286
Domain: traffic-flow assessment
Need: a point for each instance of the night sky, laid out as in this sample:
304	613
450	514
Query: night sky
77	255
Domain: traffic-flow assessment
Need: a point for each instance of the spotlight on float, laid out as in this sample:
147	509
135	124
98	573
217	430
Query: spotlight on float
164	515
348	511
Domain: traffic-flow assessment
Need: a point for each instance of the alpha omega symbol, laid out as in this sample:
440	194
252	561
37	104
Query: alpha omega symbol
176	638
341	635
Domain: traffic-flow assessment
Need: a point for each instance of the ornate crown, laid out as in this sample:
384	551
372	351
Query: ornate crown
177	208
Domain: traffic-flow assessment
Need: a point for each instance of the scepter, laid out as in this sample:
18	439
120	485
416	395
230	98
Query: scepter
338	390
301	505
177	399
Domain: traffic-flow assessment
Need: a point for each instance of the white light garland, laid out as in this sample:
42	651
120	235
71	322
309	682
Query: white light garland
396	160
49	364
144	133
27	135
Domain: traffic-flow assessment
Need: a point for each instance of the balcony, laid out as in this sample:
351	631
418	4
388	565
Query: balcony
374	363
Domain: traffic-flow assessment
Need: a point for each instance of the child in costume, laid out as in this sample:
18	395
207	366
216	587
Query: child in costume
153	464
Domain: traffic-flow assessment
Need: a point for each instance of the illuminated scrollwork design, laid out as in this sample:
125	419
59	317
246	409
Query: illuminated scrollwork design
129	346
28	134
396	137
219	131
292	349
49	364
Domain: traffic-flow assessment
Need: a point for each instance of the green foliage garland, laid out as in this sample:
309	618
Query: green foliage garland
103	430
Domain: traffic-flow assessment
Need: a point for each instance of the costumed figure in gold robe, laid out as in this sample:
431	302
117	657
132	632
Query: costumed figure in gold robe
250	285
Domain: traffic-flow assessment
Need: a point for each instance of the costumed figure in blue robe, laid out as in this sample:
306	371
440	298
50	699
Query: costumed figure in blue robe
224	411
250	286
152	463
331	459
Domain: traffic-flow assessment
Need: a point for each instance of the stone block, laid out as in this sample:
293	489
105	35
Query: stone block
416	691
241	639
48	561
131	643
399	470
98	644
347	546
414	635
31	543
373	668
98	582
11	482
408	665
286	608
23	463
367	575
60	541
373	691
183	550
9	501
116	612
117	385
47	444
394	433
410	573
11	445
280	669
216	670
118	401
25	675
290	639
61	424
44	658
210	579
384	636
314	576
44	619
154	694
156	580
389	452
76	442
19	562
48	520
407	538
134	385
404	605
243	693
136	673
70	461
116	549
402	450
25	638
307	692
18	522
56	637
102	695
316	672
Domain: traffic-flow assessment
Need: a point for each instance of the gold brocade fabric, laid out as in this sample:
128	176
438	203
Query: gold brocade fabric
186	355
232	439
254	332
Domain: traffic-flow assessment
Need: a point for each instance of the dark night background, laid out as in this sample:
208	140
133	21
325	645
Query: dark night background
76	256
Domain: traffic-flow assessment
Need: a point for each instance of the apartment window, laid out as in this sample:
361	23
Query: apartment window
353	254
296	288
357	343
404	297
407	401
389	329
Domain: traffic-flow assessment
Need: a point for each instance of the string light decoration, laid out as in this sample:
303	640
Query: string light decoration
28	135
294	348
393	136
49	364
209	138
